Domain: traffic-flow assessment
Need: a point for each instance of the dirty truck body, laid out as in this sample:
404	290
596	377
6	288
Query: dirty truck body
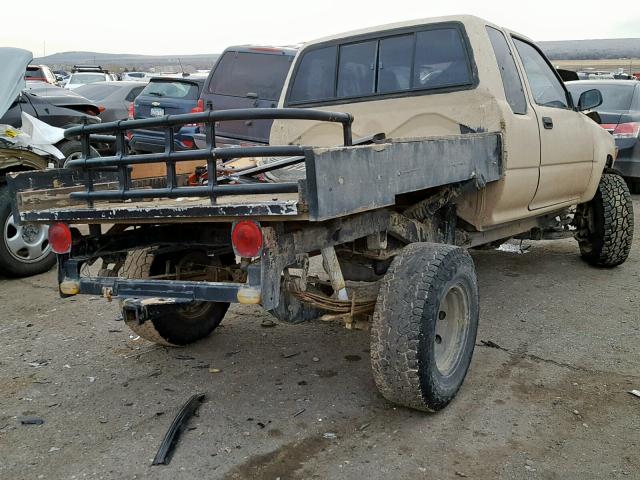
387	155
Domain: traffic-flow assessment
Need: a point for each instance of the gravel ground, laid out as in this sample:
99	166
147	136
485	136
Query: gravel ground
546	397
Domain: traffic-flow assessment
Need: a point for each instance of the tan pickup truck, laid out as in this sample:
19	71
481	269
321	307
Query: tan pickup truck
393	150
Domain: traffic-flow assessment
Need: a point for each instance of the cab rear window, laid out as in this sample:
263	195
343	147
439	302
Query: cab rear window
427	59
183	90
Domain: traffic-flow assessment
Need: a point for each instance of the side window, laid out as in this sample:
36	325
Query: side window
510	78
545	86
394	64
356	69
441	59
315	76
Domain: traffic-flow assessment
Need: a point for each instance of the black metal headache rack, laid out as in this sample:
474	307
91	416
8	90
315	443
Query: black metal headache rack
122	160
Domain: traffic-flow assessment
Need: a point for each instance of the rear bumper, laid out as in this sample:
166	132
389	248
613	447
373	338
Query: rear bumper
71	283
148	141
185	291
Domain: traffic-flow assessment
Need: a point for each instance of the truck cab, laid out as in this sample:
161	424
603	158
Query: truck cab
451	76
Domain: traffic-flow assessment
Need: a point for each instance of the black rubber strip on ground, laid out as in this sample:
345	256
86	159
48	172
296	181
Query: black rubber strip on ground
165	452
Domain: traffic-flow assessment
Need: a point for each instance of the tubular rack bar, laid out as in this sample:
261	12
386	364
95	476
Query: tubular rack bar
122	159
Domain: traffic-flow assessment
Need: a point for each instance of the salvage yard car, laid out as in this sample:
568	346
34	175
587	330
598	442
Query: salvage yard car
113	98
620	116
411	154
165	96
24	247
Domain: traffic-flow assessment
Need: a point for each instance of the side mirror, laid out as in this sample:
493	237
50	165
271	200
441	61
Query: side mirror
589	100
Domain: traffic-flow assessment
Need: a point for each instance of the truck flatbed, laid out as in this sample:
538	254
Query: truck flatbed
336	181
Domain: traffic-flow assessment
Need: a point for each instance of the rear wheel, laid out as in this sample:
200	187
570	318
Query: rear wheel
424	326
166	323
24	249
605	224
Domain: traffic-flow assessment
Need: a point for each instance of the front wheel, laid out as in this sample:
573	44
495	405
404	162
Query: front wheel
605	224
424	326
24	249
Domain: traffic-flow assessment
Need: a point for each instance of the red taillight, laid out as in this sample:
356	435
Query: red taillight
627	130
60	238
101	108
132	111
199	108
246	238
186	143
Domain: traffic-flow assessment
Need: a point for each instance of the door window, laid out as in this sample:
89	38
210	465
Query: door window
546	88
510	78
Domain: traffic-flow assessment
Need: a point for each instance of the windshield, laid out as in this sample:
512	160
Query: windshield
187	91
84	78
238	74
614	97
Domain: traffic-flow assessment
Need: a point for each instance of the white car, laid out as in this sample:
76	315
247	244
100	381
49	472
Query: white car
84	78
136	76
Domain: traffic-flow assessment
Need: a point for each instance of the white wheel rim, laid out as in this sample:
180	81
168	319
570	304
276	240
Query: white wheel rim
27	243
73	156
452	329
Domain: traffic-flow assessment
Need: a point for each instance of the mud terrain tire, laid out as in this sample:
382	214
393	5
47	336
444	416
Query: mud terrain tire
609	220
424	326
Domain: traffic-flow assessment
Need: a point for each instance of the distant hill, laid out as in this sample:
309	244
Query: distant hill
127	60
556	50
592	49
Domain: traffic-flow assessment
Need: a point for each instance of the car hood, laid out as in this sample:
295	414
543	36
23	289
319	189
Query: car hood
14	62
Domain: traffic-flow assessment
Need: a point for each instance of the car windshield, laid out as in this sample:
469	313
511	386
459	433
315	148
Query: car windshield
97	92
135	74
238	74
84	78
176	89
614	97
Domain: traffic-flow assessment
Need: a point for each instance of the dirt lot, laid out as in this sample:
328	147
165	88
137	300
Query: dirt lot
546	396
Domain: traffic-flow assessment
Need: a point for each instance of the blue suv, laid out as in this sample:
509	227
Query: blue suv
165	96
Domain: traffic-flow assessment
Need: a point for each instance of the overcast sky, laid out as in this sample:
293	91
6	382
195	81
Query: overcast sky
208	26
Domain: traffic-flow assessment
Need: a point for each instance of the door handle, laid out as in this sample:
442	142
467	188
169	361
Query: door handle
547	122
